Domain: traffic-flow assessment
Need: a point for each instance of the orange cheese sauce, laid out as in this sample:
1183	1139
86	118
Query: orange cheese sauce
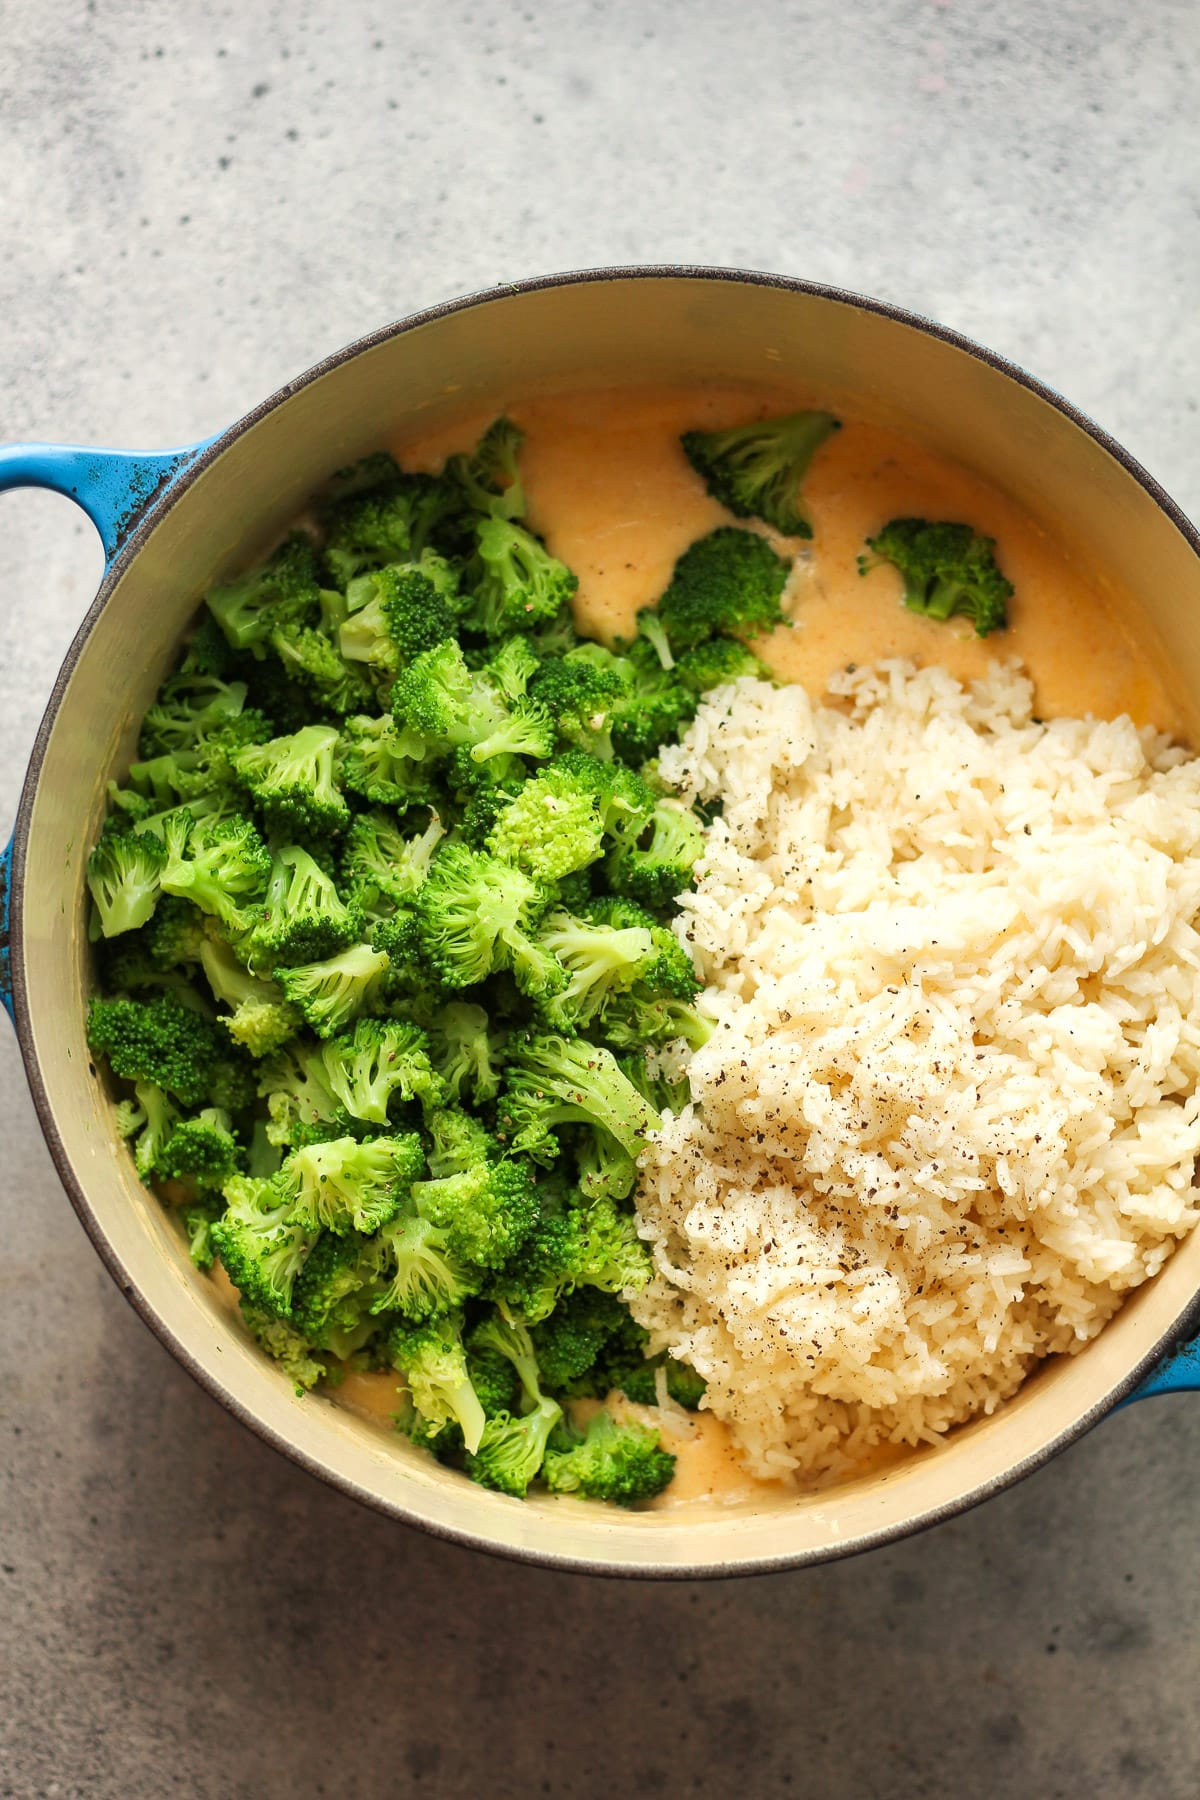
612	493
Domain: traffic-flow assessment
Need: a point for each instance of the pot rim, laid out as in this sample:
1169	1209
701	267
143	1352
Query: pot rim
650	1569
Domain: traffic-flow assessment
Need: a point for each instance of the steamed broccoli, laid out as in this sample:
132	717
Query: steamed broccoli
485	1211
433	1362
552	1081
377	1063
423	1277
552	826
160	1041
286	1345
716	661
726	584
381	866
466	1052
755	470
223	867
611	1461
946	569
333	992
123	877
149	1119
476	914
282	591
261	1244
303	917
581	691
663	869
203	1149
292	779
519	586
383	813
384	764
657	708
487	476
349	1184
445	704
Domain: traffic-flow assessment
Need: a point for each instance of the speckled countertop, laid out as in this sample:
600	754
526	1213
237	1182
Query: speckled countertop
198	203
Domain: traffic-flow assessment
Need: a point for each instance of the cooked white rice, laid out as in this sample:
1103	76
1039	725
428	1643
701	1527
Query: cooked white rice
949	1117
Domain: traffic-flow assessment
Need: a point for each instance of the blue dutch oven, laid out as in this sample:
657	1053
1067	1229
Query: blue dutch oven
171	522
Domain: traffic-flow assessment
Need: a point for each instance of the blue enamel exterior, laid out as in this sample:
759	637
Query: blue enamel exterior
1178	1373
116	488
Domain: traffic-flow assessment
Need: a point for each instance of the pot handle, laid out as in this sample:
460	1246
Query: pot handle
116	489
1177	1373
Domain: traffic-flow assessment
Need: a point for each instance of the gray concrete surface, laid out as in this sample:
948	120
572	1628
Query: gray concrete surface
196	204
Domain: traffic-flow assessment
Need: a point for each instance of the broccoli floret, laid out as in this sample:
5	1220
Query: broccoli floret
390	519
446	704
423	1275
346	1184
198	1218
149	1119
209	651
568	1343
513	666
475	914
946	568
292	779
300	1102
657	708
666	1089
433	1361
123	878
303	917
601	959
466	1053
335	1290
418	601
551	1081
755	470
727	583
633	1020
581	691
487	477
513	1448
551	828
385	765
381	866
518	585
314	661
189	708
261	1244
494	1380
603	1168
285	1344
668	970
160	1041
623	1463
203	1148
717	661
378	1061
663	869
333	992
222	867
485	1212
282	591
625	800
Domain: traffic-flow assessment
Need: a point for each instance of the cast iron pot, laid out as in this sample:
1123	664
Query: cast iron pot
171	523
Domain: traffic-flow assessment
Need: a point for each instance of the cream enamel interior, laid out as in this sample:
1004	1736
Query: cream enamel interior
620	331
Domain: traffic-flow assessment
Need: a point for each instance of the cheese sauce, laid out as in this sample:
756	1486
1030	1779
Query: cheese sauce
612	493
